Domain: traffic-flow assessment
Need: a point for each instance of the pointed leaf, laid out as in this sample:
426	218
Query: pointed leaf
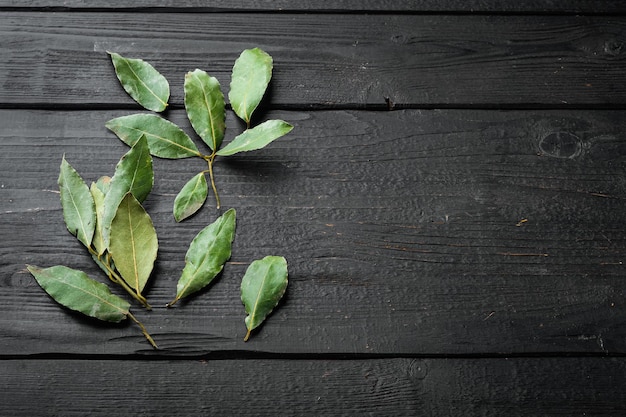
133	245
98	238
76	291
204	103
191	197
262	287
165	139
257	137
79	210
251	75
142	82
134	174
205	258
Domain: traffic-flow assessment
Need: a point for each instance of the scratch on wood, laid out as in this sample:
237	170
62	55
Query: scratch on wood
522	254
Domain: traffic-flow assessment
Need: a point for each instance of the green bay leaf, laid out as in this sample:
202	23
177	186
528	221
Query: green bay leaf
79	209
76	291
205	107
104	184
98	237
191	197
165	139
262	287
206	256
257	137
251	75
133	174
142	82
133	243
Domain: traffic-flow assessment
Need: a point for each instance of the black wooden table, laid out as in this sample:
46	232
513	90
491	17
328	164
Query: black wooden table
450	202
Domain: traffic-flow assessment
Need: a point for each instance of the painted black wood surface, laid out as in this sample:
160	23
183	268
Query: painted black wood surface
450	203
327	61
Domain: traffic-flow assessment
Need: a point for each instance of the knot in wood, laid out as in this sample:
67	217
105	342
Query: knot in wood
561	145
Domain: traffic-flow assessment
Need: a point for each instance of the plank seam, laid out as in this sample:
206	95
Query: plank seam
210	10
150	355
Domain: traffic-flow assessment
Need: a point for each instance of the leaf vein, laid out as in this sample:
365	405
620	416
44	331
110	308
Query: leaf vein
144	84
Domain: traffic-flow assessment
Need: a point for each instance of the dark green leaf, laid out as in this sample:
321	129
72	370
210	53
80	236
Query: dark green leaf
165	139
205	258
134	174
79	209
142	82
133	245
204	103
191	197
257	137
262	287
251	75
75	290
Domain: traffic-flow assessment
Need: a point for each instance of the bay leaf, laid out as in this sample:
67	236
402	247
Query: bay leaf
133	243
191	197
76	291
104	184
142	82
134	174
256	138
79	211
262	287
165	139
250	77
205	107
206	256
98	237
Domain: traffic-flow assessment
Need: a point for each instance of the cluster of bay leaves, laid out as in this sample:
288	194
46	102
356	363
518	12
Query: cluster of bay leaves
108	217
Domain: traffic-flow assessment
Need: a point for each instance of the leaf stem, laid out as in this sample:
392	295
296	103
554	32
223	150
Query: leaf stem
171	303
113	276
210	159
245	339
143	330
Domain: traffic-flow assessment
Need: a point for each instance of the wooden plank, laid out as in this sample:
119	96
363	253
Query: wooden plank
466	6
324	60
446	231
390	387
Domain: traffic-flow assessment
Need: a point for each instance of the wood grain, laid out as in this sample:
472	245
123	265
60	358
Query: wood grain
385	6
406	232
398	387
323	60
